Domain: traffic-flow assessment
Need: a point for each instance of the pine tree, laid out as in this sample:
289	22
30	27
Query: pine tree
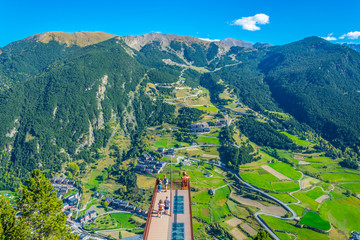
38	213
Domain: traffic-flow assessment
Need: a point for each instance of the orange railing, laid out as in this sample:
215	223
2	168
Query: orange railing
149	216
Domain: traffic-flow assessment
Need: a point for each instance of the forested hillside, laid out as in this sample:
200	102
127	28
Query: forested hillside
56	100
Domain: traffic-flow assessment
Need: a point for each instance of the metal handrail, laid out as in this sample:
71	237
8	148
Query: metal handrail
149	216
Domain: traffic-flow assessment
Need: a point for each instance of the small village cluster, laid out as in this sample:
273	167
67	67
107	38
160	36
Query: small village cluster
198	128
62	186
69	204
149	164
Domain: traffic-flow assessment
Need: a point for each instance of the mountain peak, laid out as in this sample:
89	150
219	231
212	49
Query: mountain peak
80	38
232	42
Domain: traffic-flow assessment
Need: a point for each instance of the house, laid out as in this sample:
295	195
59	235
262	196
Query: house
221	123
92	214
68	213
161	150
65	206
144	212
208	174
131	207
81	219
109	199
83	236
170	152
72	201
71	183
124	204
138	210
53	180
211	192
140	168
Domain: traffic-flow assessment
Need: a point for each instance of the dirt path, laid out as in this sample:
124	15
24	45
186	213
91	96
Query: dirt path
275	173
322	198
274	210
248	229
233	222
237	234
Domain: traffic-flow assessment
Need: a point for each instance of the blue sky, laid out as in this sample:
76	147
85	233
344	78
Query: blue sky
282	21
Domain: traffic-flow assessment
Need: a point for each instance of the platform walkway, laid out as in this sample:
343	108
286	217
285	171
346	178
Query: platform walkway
178	226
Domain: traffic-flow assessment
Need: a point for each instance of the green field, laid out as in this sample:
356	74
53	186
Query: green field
209	140
287	186
308	198
96	178
341	177
343	213
122	219
211	109
353	187
314	220
297	140
218	205
259	180
161	143
297	209
302	233
201	211
286	169
286	198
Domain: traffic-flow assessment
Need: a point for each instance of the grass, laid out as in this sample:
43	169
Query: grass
287	186
286	169
314	220
259	180
297	209
161	143
302	233
220	209
123	219
297	140
201	211
308	198
211	109
286	198
342	213
340	177
353	187
209	140
236	210
95	178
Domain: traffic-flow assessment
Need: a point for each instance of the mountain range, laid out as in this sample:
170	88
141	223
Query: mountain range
59	91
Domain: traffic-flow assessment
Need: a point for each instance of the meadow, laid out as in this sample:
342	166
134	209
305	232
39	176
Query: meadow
314	220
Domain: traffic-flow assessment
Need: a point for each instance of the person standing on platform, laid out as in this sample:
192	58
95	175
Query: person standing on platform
159	183
167	205
161	208
185	181
166	182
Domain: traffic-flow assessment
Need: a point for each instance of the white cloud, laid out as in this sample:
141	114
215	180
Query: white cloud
330	37
250	23
351	35
210	40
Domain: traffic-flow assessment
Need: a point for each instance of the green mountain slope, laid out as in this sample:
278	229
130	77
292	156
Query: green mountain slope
318	83
58	99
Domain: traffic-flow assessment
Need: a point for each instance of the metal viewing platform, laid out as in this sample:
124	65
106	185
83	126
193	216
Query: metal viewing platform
178	224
